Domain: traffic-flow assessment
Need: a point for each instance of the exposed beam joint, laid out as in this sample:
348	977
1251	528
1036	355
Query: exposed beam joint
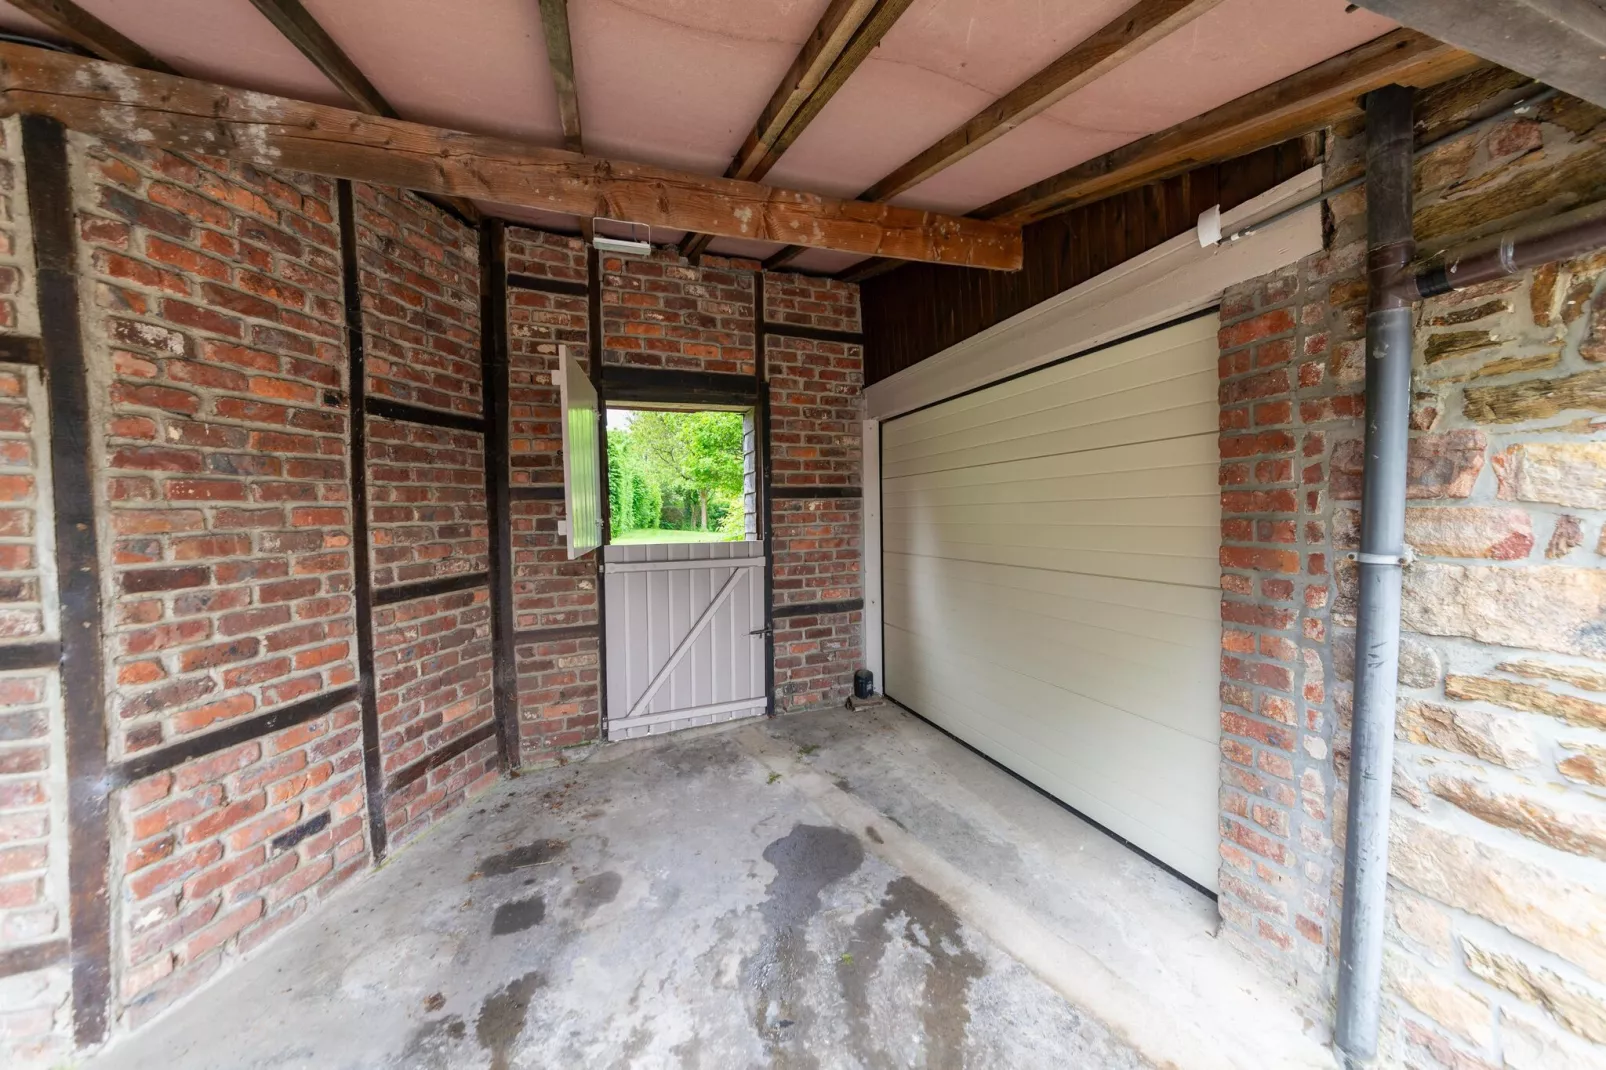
1117	41
89	33
188	116
1309	100
298	26
844	37
560	54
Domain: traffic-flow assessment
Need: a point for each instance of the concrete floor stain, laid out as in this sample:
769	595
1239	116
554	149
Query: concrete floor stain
427	1047
531	854
807	860
596	891
518	915
501	1017
931	925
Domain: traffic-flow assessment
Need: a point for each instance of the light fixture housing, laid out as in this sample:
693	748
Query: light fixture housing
622	246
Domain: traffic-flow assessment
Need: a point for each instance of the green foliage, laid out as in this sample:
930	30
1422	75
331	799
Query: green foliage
677	470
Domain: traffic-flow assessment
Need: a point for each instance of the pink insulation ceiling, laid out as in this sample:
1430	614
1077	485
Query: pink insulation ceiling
680	82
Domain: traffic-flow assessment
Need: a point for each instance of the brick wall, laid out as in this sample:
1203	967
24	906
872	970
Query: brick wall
559	700
658	312
419	281
213	332
1497	856
816	446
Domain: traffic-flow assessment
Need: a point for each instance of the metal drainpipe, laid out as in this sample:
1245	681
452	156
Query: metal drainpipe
1390	249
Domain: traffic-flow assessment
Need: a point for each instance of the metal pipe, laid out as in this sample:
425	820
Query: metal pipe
1390	248
1511	255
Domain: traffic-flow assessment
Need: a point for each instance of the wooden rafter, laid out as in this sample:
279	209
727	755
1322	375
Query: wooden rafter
189	116
843	39
298	26
1117	41
1309	100
89	33
560	54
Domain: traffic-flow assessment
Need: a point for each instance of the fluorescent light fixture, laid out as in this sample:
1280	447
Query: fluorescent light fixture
622	246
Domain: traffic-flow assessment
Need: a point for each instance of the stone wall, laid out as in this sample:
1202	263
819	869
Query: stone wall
1498	855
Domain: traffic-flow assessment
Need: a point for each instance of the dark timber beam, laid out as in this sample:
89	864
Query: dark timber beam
1560	42
844	37
560	57
182	115
1309	100
89	33
303	31
1129	33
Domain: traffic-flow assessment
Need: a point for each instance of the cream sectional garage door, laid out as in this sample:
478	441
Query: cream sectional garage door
1051	581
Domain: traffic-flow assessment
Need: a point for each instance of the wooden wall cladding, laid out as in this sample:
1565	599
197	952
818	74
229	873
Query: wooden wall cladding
921	309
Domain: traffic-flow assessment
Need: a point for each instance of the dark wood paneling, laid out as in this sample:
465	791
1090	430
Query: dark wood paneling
921	309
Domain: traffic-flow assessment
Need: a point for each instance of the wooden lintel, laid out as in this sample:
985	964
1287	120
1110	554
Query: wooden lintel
182	115
1309	100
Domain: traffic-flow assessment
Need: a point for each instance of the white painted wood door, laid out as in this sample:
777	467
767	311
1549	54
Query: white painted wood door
1050	564
685	635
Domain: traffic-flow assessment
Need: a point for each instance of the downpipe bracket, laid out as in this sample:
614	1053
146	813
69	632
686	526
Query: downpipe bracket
1402	560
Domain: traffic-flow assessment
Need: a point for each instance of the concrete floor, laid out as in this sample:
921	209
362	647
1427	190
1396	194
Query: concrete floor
817	891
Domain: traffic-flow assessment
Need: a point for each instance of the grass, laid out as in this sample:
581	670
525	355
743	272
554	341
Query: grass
668	535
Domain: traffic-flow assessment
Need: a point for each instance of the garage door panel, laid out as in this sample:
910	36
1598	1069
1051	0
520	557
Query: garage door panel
1050	566
1111	413
1135	383
1179	510
1196	419
1184	337
1130	460
1156	567
1156	641
1120	601
1088	662
1118	770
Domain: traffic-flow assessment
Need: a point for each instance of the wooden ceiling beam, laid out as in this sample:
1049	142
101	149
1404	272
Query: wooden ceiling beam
1313	98
843	39
560	55
1117	41
183	115
89	33
298	26
560	58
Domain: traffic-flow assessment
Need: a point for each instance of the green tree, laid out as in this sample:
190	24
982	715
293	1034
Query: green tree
696	454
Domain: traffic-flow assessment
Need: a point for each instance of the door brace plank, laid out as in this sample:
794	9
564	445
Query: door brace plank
685	644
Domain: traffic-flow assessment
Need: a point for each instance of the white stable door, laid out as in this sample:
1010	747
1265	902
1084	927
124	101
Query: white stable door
685	635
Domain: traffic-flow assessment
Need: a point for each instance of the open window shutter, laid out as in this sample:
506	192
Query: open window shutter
582	476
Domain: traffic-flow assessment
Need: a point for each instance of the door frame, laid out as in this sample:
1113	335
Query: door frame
626	385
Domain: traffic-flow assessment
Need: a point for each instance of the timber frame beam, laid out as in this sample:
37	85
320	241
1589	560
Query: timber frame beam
1130	32
90	33
843	39
182	115
298	26
1304	102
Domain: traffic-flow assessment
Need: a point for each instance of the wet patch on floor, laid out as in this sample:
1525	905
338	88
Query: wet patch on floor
539	853
930	925
807	860
518	915
594	892
502	1015
429	1046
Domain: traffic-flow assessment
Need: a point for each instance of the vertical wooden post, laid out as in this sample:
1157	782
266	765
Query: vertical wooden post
496	386
72	444
363	584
